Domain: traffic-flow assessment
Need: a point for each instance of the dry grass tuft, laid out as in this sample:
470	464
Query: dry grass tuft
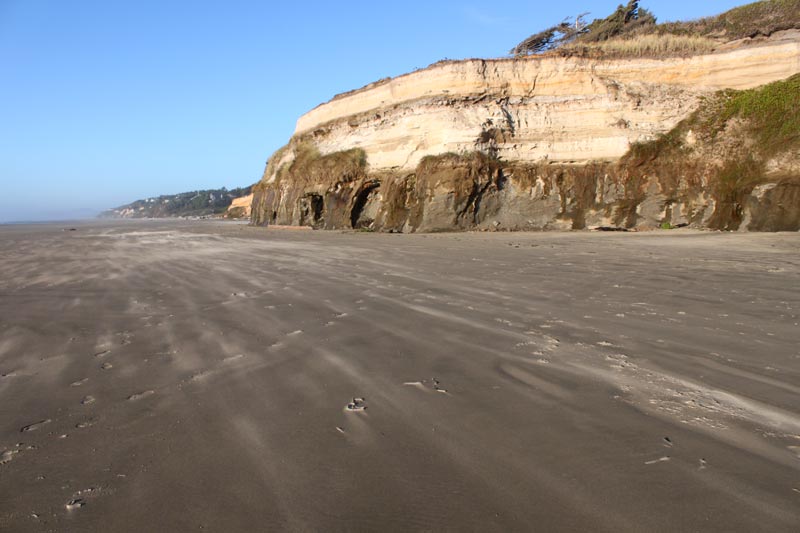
647	45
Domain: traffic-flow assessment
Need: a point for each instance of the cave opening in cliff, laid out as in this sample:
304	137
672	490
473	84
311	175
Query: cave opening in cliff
365	206
312	208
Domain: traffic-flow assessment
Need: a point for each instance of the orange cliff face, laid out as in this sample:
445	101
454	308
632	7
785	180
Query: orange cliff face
241	207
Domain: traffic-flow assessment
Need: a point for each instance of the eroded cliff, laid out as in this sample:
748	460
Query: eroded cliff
544	143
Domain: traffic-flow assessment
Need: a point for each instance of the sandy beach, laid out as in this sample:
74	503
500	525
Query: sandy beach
185	376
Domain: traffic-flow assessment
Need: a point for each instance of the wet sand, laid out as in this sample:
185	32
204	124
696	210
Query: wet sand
161	376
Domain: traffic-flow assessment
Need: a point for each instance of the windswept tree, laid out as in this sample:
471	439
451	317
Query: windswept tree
552	37
626	19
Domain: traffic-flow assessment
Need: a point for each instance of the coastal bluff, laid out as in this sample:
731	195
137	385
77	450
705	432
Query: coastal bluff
531	143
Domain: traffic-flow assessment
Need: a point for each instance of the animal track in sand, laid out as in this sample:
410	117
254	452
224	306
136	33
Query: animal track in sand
659	460
106	366
103	353
78	383
34	426
87	400
294	333
358	404
140	395
85	424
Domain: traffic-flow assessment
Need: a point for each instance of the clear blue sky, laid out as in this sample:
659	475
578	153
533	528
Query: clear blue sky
103	102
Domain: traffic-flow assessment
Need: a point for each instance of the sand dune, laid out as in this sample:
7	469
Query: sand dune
178	376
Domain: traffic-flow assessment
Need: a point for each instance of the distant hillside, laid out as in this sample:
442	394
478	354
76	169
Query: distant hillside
212	202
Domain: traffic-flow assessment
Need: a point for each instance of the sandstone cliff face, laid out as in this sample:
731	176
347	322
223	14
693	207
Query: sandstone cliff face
241	207
507	144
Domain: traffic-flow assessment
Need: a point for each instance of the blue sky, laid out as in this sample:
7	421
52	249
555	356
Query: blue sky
105	102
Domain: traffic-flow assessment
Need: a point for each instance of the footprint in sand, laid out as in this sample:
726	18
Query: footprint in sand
199	376
7	455
34	426
140	395
358	404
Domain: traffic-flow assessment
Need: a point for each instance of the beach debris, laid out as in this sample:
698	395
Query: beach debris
77	503
358	404
609	228
432	383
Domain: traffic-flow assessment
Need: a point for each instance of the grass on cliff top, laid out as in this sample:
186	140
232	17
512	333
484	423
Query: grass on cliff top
751	20
647	45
